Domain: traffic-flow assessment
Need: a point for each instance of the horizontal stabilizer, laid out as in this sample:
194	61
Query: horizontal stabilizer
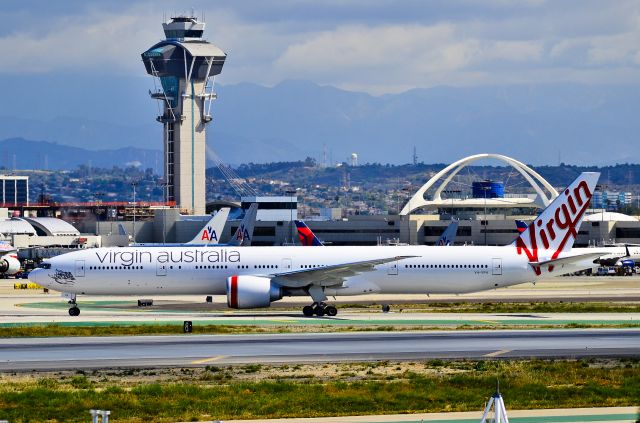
568	260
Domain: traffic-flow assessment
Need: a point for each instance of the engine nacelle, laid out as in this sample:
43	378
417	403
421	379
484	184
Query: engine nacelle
251	292
9	264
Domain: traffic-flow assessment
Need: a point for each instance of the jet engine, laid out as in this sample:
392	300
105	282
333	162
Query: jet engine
251	292
9	264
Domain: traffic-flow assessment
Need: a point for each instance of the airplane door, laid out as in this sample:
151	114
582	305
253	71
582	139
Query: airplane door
392	268
497	266
80	268
161	269
286	264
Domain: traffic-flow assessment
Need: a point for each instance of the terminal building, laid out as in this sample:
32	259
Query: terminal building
486	217
14	190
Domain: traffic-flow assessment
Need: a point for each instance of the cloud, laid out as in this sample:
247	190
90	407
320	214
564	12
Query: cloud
378	47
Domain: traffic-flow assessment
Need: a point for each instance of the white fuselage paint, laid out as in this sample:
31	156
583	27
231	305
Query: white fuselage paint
204	270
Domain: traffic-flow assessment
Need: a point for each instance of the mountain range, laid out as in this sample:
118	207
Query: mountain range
537	124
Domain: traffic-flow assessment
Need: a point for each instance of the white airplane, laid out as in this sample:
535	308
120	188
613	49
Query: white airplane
254	277
9	263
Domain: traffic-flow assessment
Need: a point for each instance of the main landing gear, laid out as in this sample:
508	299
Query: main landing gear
319	309
73	310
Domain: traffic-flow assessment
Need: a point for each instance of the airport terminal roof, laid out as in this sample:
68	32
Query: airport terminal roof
51	226
609	217
16	226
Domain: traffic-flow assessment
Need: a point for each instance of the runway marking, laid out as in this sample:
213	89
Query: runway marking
493	322
209	360
497	353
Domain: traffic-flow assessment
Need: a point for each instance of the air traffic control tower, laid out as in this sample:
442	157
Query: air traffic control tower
185	65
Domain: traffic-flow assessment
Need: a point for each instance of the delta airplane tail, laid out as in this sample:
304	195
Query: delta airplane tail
521	226
306	235
554	231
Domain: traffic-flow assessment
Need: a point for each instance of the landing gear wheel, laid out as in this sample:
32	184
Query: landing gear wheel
331	310
319	310
74	311
307	311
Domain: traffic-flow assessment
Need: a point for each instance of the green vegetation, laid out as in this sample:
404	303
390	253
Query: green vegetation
248	392
513	307
89	329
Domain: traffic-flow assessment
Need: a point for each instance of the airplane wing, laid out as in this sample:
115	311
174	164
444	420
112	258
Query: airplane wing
567	260
329	275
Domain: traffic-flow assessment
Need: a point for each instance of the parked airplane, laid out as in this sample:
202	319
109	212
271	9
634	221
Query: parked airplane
212	231
448	237
209	235
9	263
306	235
309	239
255	277
244	234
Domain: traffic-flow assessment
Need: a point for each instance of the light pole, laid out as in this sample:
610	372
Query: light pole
291	193
485	189
133	184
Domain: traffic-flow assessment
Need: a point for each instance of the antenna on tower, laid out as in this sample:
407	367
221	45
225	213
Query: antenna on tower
324	155
415	156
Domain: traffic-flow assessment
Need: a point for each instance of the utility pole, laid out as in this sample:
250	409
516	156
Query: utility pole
134	184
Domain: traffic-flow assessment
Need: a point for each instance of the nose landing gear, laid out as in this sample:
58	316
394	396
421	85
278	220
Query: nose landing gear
319	309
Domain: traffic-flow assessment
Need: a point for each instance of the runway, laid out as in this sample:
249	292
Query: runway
21	354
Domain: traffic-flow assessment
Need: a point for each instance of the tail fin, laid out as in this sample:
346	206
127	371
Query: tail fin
449	235
122	230
210	234
306	235
244	233
555	230
521	226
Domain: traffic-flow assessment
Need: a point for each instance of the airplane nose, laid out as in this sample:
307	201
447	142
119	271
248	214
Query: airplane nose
35	275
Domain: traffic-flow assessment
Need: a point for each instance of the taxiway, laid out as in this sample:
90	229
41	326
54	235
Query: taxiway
21	354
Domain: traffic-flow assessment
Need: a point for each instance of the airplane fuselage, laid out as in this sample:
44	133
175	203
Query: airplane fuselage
204	270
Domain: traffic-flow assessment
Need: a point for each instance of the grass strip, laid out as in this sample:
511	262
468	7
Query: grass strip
218	393
510	307
486	306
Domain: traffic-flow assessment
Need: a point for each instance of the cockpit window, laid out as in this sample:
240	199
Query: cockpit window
45	265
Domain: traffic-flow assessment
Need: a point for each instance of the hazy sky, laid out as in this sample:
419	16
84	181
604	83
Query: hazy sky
378	46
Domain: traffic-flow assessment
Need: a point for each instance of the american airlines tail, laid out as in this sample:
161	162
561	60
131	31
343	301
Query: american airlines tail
244	233
210	234
448	237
